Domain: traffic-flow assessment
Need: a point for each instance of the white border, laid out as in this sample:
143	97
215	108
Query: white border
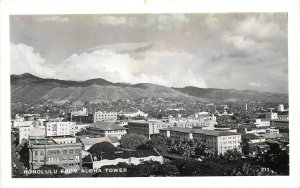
152	6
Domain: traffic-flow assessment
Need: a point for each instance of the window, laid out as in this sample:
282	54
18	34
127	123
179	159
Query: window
42	153
35	152
65	152
77	151
71	151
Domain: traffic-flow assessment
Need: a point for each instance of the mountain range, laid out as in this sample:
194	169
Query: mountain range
27	87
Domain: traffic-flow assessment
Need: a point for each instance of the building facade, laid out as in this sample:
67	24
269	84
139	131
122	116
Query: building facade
105	116
64	151
58	128
271	115
260	123
106	129
280	123
217	142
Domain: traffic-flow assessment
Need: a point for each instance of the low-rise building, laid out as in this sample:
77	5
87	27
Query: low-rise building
78	127
255	131
272	131
280	123
106	129
283	115
253	139
262	123
218	142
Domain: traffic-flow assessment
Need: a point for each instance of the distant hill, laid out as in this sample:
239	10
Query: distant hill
27	87
232	95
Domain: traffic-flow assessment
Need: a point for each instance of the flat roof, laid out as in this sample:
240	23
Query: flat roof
92	141
42	141
200	131
106	126
281	120
62	136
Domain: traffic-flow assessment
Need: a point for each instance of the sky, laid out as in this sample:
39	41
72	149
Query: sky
245	51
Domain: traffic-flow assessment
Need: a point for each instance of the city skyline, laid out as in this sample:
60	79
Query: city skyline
174	50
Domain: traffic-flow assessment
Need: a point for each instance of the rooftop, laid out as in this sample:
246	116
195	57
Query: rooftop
283	113
201	131
138	121
37	132
92	141
45	141
280	120
106	126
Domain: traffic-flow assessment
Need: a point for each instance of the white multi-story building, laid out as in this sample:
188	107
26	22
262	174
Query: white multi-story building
105	116
217	142
58	128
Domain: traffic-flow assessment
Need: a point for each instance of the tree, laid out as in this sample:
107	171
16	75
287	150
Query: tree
158	143
99	148
276	159
132	140
233	154
167	170
24	155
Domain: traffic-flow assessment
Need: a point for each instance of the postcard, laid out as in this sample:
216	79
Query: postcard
130	93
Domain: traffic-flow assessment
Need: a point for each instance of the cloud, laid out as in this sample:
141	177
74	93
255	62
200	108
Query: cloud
59	19
25	59
263	27
119	64
115	63
213	50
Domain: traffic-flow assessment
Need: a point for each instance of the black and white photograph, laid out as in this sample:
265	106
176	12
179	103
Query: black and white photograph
149	95
164	95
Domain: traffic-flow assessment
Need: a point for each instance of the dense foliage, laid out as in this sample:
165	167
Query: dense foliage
132	140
